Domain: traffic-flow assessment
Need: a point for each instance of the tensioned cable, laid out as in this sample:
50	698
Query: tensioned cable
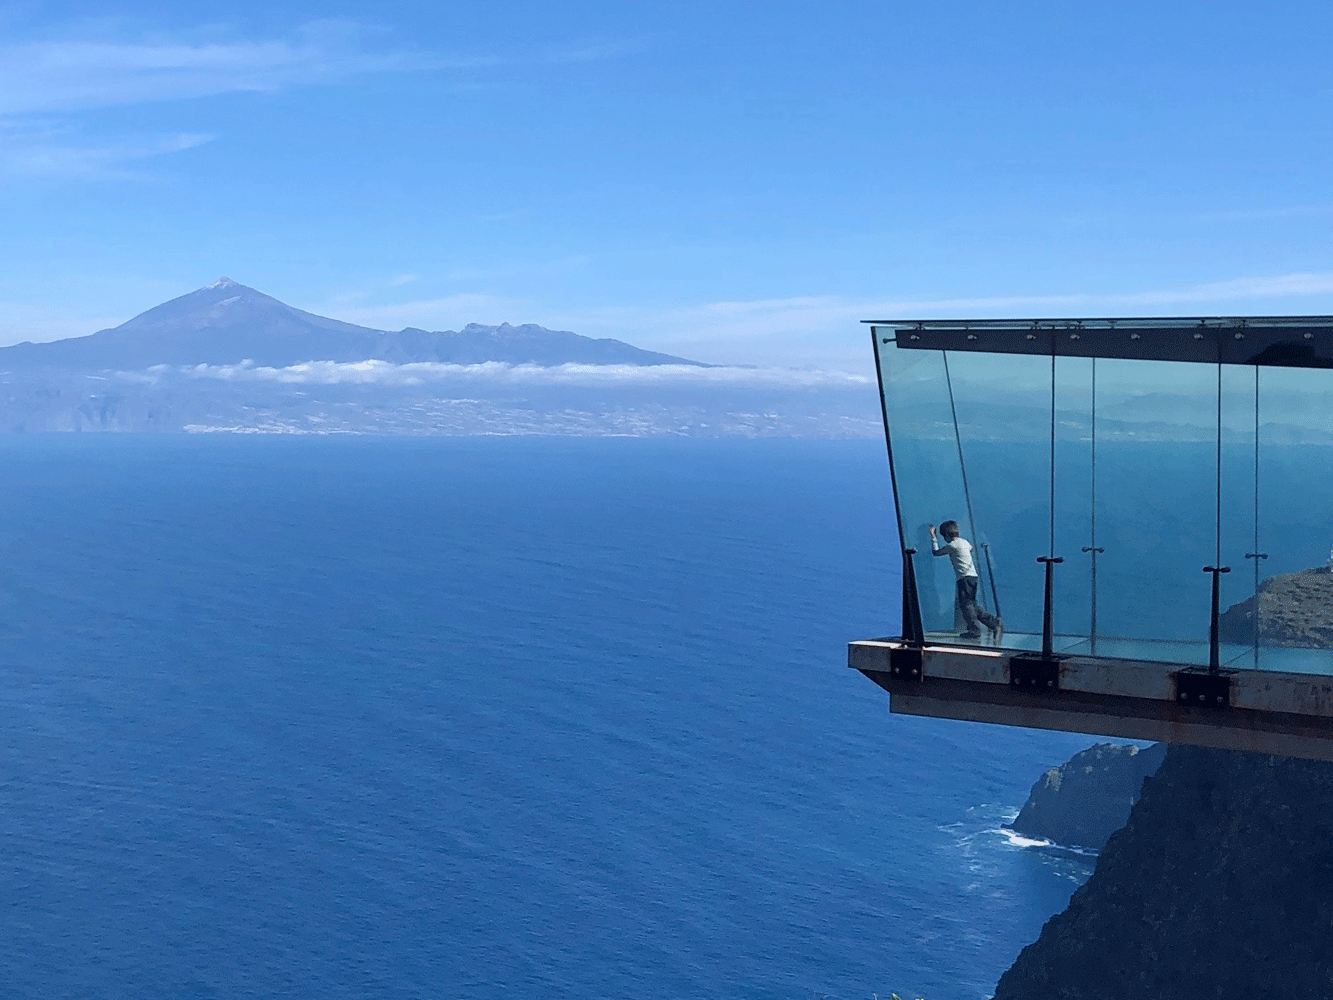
958	439
967	493
1092	512
1218	553
1051	552
1256	517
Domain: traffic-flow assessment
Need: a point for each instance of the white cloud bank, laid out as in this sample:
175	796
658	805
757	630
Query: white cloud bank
384	373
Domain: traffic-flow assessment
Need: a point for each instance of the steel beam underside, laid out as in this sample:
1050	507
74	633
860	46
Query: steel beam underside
1271	712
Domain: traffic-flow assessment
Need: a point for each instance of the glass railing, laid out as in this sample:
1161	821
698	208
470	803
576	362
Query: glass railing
1145	469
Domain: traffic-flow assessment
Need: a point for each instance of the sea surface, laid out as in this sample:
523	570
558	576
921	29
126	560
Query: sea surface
483	718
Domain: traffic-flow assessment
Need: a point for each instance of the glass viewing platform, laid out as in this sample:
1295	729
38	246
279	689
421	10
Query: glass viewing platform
1132	522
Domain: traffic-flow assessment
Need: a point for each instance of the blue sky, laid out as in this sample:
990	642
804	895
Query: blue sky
738	182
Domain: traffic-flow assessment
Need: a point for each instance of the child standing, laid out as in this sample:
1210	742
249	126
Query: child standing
959	551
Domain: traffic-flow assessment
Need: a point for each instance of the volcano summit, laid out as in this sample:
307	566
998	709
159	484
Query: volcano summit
226	323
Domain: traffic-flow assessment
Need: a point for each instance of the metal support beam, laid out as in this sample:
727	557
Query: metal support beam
1047	622
1210	690
1261	711
913	631
1214	657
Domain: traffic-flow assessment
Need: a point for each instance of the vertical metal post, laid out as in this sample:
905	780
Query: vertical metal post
1047	629
912	628
1256	555
1214	658
1092	546
990	572
1254	632
1092	624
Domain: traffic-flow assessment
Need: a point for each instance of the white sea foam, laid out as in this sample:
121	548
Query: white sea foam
1018	840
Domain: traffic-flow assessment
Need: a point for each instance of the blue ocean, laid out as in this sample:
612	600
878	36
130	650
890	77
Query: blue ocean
483	718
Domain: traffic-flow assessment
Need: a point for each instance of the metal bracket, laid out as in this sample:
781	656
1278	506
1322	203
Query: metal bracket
1214	641
912	629
1203	689
1035	673
906	664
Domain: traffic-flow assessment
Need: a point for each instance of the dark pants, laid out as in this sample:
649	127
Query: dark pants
974	616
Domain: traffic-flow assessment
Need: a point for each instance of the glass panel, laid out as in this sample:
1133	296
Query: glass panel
1156	507
1236	629
1295	600
928	473
1137	484
1004	431
987	470
1075	470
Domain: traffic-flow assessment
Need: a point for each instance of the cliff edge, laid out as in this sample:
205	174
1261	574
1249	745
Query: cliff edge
1085	800
1217	887
1292	609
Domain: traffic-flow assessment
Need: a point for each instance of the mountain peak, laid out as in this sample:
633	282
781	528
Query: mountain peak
225	322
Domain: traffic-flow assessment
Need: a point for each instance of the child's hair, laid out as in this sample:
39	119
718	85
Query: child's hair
949	529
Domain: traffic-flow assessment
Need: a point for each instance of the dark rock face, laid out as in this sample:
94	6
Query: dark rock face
1294	609
1218	887
1082	802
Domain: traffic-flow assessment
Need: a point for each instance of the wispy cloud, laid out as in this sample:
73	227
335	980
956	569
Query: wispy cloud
65	76
827	330
813	329
448	312
77	74
595	50
54	153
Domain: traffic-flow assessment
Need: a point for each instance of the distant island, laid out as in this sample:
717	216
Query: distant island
229	359
226	323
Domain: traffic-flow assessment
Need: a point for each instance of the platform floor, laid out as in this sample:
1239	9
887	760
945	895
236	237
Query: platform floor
1279	658
1288	712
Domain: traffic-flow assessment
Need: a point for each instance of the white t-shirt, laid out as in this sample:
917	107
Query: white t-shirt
959	552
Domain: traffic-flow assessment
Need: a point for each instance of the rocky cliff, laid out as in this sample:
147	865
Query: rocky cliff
1085	800
1219	886
1290	609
